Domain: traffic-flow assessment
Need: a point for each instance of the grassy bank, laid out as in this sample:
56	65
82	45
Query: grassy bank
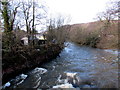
25	58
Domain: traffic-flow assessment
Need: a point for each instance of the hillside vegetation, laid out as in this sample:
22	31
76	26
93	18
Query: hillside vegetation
96	34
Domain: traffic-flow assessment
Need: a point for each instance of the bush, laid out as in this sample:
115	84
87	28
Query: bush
92	40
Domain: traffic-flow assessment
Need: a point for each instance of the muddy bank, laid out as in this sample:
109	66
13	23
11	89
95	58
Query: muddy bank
22	60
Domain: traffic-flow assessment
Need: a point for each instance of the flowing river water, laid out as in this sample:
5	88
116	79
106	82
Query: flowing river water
75	67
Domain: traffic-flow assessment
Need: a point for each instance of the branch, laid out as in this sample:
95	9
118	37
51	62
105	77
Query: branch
1	7
30	21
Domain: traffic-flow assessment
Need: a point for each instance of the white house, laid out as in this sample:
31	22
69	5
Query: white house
24	40
40	39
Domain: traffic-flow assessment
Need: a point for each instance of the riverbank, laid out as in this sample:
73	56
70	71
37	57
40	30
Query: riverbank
106	47
77	67
19	61
96	34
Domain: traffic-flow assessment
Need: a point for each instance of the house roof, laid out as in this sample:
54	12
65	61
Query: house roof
24	38
35	38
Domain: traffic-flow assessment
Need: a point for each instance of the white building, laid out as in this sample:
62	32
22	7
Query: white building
38	37
25	40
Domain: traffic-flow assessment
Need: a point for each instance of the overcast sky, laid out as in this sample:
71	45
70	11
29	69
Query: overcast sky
80	11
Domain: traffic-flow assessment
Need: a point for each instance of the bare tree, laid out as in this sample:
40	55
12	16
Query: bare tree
108	16
32	18
26	11
8	15
57	30
111	13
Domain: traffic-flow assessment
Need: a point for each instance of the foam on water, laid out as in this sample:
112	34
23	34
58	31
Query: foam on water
39	70
112	51
37	82
62	80
70	74
23	76
74	76
6	85
68	50
59	78
66	85
70	80
18	80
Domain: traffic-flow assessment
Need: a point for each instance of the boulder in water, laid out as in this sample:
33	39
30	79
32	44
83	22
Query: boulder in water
73	78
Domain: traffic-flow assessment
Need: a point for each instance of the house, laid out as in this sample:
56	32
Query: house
38	38
24	40
41	39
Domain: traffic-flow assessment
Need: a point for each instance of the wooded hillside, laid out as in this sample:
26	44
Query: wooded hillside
96	34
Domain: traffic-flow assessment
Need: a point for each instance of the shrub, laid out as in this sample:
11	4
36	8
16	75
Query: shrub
92	40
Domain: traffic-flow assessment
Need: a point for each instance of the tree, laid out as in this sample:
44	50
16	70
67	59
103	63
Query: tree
32	19
111	13
8	16
26	11
108	16
57	30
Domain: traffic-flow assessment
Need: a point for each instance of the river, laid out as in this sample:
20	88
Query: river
76	67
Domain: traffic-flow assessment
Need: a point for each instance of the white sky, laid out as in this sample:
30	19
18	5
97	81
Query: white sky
80	11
